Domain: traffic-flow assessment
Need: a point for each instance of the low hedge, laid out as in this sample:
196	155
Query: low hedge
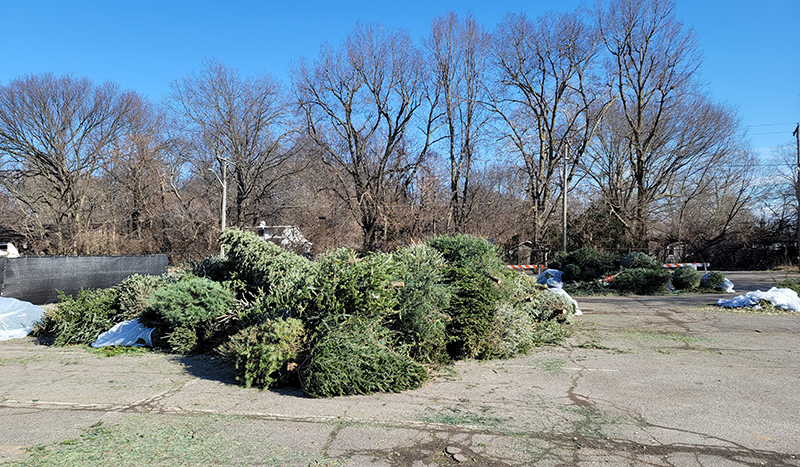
587	264
642	281
790	283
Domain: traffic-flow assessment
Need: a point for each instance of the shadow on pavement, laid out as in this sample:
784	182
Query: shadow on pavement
213	369
207	367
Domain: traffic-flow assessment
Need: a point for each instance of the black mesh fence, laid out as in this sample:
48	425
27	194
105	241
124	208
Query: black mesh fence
38	279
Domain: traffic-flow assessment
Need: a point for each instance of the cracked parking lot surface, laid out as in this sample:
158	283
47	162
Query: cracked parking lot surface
644	381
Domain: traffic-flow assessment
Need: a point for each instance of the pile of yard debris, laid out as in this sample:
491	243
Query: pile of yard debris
344	324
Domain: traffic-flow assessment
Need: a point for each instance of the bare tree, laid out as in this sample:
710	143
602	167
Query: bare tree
708	202
500	201
771	238
370	116
191	221
781	185
548	101
55	135
458	54
243	126
137	171
663	125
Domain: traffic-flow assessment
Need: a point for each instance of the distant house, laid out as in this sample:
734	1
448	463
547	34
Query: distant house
8	250
11	242
676	252
286	236
526	253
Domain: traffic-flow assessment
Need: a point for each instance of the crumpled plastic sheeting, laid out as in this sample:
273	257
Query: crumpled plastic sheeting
786	299
17	318
551	278
562	292
127	334
724	286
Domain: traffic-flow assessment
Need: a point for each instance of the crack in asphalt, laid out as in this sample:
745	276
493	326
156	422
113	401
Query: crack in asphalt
578	399
570	443
439	447
731	450
150	404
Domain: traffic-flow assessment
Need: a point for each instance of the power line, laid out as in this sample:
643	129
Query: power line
770	133
769	124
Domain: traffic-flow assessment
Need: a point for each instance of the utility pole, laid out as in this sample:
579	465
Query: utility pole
223	165
564	186
224	208
796	134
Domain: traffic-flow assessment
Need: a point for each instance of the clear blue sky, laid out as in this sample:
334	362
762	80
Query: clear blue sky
750	47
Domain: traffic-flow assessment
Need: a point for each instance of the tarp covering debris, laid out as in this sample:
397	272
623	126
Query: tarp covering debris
17	318
551	278
786	299
563	293
725	286
127	334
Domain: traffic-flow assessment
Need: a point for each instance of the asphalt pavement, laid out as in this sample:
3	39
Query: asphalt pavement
660	381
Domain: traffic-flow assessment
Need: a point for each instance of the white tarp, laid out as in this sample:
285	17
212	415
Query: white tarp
786	299
564	294
725	286
17	318
127	333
